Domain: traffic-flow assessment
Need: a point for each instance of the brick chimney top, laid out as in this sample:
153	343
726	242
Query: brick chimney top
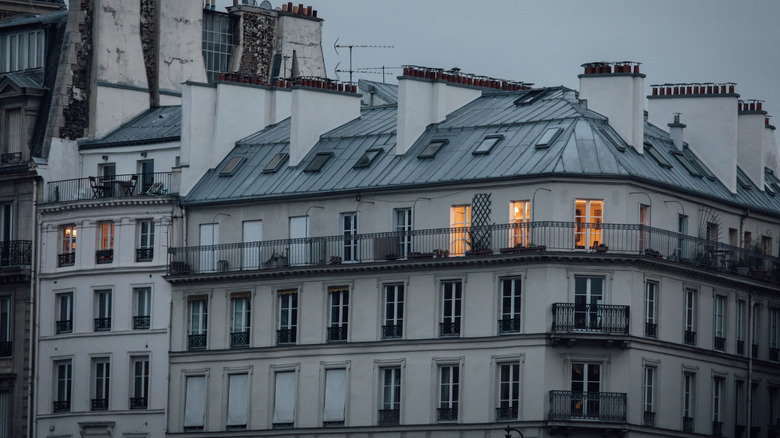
751	105
702	89
602	67
306	11
455	76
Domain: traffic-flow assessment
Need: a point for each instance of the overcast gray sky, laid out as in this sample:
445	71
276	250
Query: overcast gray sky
546	41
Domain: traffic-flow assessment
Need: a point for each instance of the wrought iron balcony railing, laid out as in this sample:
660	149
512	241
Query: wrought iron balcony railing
773	353
449	329
107	187
15	253
689	337
141	322
389	417
13	157
239	339
741	348
138	403
495	240
102	324
446	414
65	326
506	413
61	406
649	419
144	254
337	333
509	325
99	404
599	318
687	424
6	348
103	256
196	342
754	351
651	330
392	331
719	343
66	259
286	336
717	428
598	406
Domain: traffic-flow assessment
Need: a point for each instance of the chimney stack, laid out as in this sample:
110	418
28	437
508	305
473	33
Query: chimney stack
616	90
751	148
676	131
711	118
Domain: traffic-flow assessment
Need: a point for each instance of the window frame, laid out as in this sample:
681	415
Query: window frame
64	325
240	328
690	314
460	223
649	386
200	314
448	409
103	306
719	328
651	309
139	386
68	235
508	408
512	324
521	223
392	327
101	383
142	308
6	326
348	229
276	373
231	398
451	308
290	330
144	251
688	397
588	233
390	376
62	391
338	313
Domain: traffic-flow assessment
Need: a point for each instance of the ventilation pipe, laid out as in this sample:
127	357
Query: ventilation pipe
676	131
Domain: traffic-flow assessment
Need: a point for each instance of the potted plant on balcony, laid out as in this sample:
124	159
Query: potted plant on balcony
601	248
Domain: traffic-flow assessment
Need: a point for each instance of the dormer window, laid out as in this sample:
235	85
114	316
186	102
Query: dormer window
21	51
318	161
743	182
231	166
487	144
432	149
276	163
549	137
367	158
653	152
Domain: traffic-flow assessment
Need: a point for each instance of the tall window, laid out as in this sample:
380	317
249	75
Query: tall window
449	393
588	298
682	229
102	380
287	330
717	406
67	255
689	325
588	215
62	371
508	391
65	312
252	233
403	226
218	44
299	247
142	306
460	221
741	320
284	400
339	313
651	307
238	401
105	252
5	413
198	323
103	310
585	389
13	133
510	306
393	311
754	330
648	399
349	230
333	413
689	394
21	51
521	220
390	402
239	332
209	239
451	292
145	250
6	344
146	169
195	403
140	389
644	221
774	333
720	323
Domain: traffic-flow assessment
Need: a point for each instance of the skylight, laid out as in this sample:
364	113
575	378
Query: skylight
530	97
487	144
743	182
662	161
687	164
276	163
230	167
549	136
367	158
318	161
432	148
770	190
616	140
707	172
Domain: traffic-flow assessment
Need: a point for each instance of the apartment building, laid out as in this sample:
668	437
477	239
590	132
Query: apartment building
482	253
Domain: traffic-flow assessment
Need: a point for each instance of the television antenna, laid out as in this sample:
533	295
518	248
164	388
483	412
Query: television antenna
337	46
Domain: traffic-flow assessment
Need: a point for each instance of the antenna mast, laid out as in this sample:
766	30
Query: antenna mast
337	46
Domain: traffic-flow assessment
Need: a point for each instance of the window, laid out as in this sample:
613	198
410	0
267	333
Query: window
6	342
252	233
774	333
238	401
530	97
460	220
616	140
713	232
449	393
648	398
62	373
693	170
284	400
585	390
774	406
349	230
67	255
13	132
717	406
743	181
510	306
102	380
198	323
105	252
390	396
65	312
508	391
319	160
403	227
720	323
231	166
659	158
276	162
299	247
689	395
682	230
433	148
521	222
739	402
146	169
644	222
217	44
102	310
689	325
588	216
145	250
367	158
393	311
5	413
286	332
549	137
487	143
651	307
21	51
140	389
209	237
741	321
339	313
588	299
766	245
195	403
754	330
333	413
451	292
142	306
239	332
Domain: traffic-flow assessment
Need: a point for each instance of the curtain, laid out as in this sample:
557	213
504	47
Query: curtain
238	399
284	399
195	401
335	394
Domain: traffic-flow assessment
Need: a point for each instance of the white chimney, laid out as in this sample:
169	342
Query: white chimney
771	151
711	115
750	141
676	131
318	106
616	90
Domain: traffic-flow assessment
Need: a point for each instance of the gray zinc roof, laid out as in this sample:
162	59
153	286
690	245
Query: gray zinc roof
586	146
27	79
25	19
387	92
155	125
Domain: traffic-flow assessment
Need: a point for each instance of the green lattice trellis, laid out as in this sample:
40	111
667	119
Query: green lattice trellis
480	234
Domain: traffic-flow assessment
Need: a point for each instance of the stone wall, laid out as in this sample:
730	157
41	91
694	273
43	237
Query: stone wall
76	109
149	44
257	35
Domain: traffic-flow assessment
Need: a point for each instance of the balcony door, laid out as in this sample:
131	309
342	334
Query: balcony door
209	238
299	229
349	230
253	232
585	389
6	233
588	296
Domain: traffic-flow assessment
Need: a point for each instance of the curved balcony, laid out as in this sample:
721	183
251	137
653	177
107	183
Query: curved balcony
593	406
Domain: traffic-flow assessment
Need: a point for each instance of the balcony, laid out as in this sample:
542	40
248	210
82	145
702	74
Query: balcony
594	406
508	325
104	256
6	348
196	342
594	318
99	404
144	254
141	322
719	343
445	415
773	354
337	333
15	253
286	337
65	326
506	413
717	428
109	187
392	331
651	330
389	417
648	419
102	324
687	424
11	158
449	329
138	403
61	406
66	259
239	339
689	338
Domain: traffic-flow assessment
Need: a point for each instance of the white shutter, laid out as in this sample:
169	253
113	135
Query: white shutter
335	394
298	230
284	398
253	232
238	399
195	401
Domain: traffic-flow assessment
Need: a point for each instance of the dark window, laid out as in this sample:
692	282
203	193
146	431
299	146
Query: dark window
432	149
530	97
487	144
662	161
367	158
743	182
276	163
231	166
549	136
318	161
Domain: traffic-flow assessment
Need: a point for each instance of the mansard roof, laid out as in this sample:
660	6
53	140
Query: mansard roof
155	125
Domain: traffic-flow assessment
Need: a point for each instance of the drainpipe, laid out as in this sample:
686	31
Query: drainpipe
31	405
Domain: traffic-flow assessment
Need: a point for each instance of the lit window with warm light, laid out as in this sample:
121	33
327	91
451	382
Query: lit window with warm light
67	255
588	215
521	219
460	220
